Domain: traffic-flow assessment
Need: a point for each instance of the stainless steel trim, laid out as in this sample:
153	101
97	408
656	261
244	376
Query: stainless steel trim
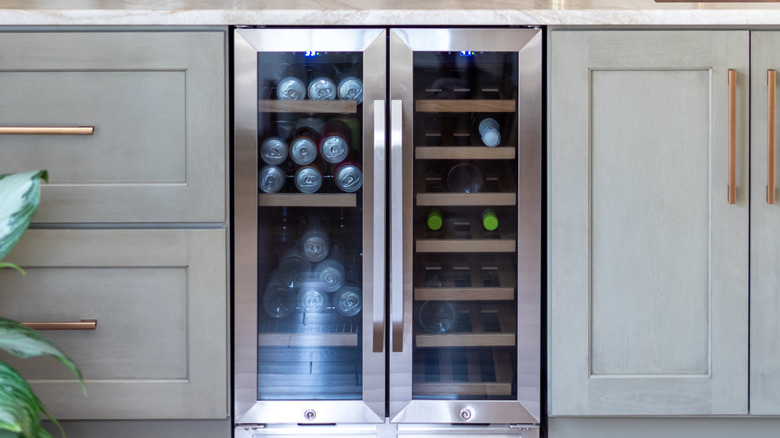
396	219
527	407
379	227
248	43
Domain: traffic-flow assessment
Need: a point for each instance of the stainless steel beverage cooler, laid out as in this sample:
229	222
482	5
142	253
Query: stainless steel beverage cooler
387	232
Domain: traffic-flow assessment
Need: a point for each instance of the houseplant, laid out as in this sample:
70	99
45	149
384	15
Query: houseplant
20	408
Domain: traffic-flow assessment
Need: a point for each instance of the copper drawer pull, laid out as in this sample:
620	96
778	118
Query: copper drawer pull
771	77
84	324
47	130
732	136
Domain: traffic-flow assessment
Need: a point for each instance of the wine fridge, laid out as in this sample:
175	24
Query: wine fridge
387	232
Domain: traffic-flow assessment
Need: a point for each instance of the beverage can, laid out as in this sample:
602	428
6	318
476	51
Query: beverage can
465	178
308	179
270	179
348	300
278	300
291	88
322	88
303	150
329	273
315	244
311	299
351	88
273	150
348	177
293	269
334	144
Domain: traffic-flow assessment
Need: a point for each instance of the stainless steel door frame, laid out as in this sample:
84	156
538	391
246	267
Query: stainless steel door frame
526	409
248	43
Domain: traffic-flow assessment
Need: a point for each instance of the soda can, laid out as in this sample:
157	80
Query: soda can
270	179
273	150
351	88
278	300
329	273
303	150
311	299
291	88
322	88
335	141
293	269
308	179
348	300
315	244
348	177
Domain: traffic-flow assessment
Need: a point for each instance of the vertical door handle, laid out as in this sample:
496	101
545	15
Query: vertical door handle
379	227
396	224
732	136
771	78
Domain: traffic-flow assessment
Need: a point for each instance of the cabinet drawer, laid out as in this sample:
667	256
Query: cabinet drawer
157	104
159	349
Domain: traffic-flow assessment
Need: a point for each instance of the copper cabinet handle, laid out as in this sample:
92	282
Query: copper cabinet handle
771	78
47	130
732	136
84	324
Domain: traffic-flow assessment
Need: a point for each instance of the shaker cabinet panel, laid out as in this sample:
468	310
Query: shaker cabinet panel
648	260
159	347
155	103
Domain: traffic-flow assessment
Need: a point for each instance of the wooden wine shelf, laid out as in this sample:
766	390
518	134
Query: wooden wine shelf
307	200
307	340
488	281
478	337
308	106
464	153
466	199
466	105
450	384
460	235
466	245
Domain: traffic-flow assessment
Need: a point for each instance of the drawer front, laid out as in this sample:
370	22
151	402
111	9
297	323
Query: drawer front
159	349
157	104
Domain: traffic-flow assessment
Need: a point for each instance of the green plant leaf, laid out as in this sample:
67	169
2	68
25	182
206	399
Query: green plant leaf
20	408
20	194
24	342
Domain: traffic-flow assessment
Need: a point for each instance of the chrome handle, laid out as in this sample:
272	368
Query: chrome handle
732	136
47	130
771	78
396	223
379	226
84	324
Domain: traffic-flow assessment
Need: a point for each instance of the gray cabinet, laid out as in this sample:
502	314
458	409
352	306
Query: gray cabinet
648	272
159	347
156	101
132	227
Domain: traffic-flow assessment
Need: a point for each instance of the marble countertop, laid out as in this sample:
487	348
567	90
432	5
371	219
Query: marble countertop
384	12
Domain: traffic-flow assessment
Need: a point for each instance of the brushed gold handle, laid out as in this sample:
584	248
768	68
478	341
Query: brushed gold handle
771	78
47	130
732	136
84	324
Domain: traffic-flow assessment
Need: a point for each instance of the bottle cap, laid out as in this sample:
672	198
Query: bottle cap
489	220
435	220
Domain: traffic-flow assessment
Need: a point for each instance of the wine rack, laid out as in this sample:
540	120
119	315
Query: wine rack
469	269
309	330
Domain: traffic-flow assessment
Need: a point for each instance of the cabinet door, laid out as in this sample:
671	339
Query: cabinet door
159	349
764	241
156	101
648	264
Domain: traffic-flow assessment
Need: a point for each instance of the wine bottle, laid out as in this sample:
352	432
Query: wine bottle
434	219
489	219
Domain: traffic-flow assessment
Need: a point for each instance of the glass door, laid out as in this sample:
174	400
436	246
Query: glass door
309	226
465	272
